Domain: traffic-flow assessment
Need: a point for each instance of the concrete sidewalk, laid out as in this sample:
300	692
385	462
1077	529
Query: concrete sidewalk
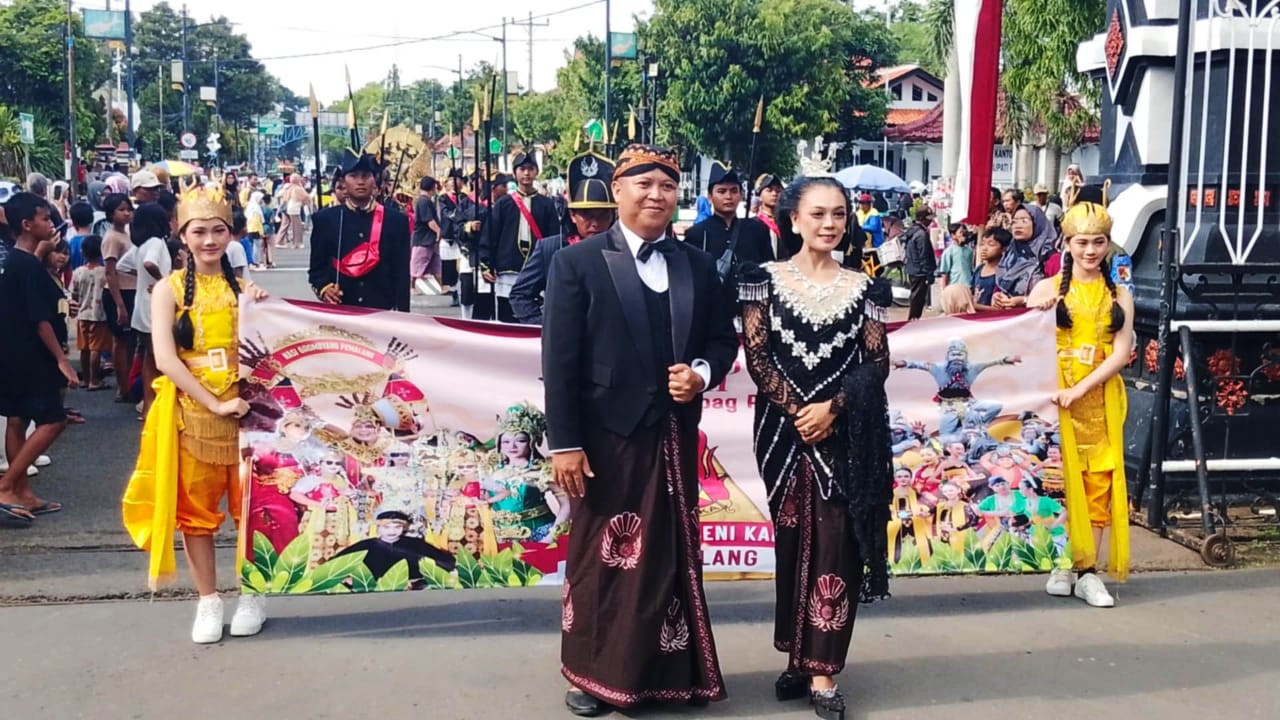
1178	646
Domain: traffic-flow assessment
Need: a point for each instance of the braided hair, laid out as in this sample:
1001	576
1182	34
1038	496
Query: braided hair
789	202
184	332
1064	286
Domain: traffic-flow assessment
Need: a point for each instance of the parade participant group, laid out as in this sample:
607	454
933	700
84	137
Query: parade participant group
351	481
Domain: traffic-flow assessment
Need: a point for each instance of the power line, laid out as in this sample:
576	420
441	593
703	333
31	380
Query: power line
415	41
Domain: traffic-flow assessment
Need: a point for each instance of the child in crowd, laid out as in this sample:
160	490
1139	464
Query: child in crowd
956	267
149	232
236	254
239	228
994	243
33	368
93	337
56	256
190	452
81	214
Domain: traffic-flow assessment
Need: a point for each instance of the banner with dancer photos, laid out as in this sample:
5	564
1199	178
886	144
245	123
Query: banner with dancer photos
389	452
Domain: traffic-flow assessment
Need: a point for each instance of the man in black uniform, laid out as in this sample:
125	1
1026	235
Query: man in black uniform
456	210
360	249
725	236
517	222
592	210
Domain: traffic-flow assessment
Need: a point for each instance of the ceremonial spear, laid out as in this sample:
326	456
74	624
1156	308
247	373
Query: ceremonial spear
356	145
315	139
488	169
755	135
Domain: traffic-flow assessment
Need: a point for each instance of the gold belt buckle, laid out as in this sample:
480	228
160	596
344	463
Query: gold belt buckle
218	360
1086	354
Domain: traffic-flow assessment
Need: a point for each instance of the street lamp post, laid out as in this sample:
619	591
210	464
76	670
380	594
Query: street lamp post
505	90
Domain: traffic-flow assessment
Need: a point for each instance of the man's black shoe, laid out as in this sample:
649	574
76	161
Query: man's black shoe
584	705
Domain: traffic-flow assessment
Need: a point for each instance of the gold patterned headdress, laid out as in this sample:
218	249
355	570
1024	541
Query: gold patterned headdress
1088	218
202	203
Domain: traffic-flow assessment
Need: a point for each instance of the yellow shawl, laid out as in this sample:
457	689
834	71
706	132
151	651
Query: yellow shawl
150	503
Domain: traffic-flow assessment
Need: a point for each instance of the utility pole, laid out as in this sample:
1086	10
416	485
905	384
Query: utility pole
506	91
185	85
73	169
530	25
160	96
608	63
128	51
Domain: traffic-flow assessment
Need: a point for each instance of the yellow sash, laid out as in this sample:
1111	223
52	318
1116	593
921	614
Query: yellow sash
150	505
1080	530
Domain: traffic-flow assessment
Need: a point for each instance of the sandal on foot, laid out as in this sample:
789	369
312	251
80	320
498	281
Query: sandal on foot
47	508
16	513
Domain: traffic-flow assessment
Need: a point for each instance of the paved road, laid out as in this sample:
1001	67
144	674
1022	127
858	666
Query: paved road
1179	647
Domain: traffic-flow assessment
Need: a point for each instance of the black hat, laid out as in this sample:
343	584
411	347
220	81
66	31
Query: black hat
523	158
767	180
500	178
720	174
353	161
456	172
590	182
392	515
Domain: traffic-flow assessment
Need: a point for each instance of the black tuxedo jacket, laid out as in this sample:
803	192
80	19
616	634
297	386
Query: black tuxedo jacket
598	363
336	231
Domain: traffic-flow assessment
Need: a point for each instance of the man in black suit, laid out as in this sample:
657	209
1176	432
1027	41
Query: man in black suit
592	209
725	236
360	249
636	327
517	222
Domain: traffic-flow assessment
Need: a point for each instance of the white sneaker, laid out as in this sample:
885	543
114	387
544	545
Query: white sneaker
1090	589
32	471
251	614
1059	583
43	461
208	625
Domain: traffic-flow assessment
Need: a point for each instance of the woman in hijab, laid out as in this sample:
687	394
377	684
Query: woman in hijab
1034	241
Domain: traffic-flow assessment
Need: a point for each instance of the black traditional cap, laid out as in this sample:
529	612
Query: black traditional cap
523	158
720	174
590	182
637	159
456	172
767	180
353	161
500	178
393	515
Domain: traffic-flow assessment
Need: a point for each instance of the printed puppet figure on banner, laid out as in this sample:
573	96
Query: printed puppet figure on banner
390	452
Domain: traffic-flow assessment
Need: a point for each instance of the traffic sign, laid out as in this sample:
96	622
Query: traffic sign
594	130
188	155
212	142
495	146
270	126
188	140
452	153
27	128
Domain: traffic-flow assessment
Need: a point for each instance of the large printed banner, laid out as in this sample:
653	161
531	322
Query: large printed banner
393	452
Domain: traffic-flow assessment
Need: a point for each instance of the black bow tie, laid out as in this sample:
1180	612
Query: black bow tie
666	246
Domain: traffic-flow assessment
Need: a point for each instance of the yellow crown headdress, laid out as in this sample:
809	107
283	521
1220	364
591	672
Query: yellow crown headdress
1088	218
203	203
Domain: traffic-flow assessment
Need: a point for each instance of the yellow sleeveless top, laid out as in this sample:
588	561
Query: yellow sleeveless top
214	360
1081	348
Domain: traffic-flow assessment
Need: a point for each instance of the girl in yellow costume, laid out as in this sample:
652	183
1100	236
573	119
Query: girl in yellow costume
190	449
1095	337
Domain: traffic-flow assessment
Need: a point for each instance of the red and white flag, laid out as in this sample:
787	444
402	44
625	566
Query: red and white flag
977	48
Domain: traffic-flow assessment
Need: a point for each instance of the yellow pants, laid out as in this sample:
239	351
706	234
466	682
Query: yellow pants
201	487
1097	492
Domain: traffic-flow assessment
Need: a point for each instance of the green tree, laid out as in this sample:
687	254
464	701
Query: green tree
808	59
33	55
217	56
910	37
